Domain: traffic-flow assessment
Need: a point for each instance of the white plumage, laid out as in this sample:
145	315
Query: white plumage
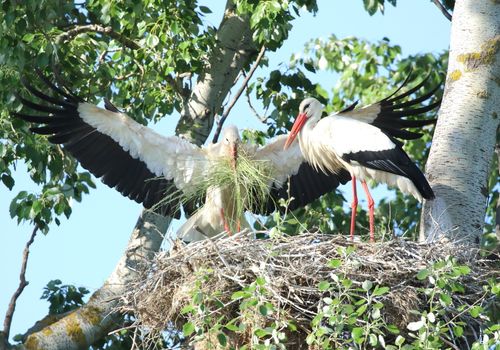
363	141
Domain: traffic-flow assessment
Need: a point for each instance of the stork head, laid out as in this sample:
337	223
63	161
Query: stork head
309	109
230	141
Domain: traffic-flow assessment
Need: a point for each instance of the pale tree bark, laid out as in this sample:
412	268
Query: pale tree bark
86	325
232	53
464	140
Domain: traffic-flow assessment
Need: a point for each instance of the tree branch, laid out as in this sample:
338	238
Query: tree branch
22	284
262	118
238	93
442	9
96	28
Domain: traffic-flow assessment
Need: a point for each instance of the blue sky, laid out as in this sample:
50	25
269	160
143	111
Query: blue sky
84	249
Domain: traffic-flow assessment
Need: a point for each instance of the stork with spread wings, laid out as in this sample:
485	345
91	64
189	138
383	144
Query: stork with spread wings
149	168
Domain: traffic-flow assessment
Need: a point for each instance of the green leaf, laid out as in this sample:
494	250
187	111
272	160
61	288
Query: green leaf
373	340
361	310
263	310
422	274
458	331
36	207
463	269
205	9
261	281
28	38
8	181
445	299
221	337
357	335
232	327
187	309
475	311
335	263
380	291
188	329
310	339
392	328
241	294
13	208
323	286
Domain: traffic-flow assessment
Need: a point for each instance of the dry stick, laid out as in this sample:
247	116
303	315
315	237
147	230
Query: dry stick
238	94
22	284
442	9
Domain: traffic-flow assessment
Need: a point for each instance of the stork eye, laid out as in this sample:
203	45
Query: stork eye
306	106
226	141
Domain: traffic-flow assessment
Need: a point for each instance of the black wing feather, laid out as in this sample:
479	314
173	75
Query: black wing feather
392	111
97	152
395	161
306	186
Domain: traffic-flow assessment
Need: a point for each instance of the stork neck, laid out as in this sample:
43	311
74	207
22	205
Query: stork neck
304	135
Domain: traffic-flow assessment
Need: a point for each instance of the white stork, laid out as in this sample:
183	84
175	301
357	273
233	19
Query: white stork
147	167
363	141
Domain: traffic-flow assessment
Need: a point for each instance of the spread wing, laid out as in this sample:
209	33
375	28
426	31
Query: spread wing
388	114
126	155
294	177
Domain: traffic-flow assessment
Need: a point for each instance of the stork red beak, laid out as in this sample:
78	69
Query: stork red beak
297	126
234	155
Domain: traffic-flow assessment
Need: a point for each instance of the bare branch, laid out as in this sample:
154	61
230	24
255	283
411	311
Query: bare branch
442	9
262	118
238	94
80	29
22	284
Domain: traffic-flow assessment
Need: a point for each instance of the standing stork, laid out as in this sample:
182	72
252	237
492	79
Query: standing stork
151	169
364	142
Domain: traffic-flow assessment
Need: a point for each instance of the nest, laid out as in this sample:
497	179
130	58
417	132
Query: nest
292	267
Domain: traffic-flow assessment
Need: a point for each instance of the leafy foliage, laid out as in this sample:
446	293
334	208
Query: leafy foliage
63	297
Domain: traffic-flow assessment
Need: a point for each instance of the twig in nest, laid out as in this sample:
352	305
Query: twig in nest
238	94
22	284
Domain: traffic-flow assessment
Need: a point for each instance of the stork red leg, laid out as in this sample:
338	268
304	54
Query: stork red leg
371	206
226	225
354	206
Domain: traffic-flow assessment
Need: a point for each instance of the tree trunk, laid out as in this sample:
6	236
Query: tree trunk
464	140
232	53
86	325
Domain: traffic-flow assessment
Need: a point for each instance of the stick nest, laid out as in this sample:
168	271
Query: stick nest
292	268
